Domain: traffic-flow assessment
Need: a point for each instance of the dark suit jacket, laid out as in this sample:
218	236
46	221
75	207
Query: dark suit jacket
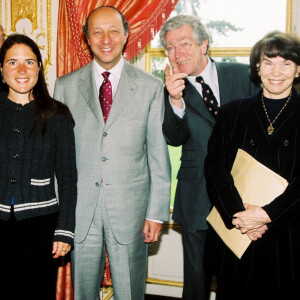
192	205
273	260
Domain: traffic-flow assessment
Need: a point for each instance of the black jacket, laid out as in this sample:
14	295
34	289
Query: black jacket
30	163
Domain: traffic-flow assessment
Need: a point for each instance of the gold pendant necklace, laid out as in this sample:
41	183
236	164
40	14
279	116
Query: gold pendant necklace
270	127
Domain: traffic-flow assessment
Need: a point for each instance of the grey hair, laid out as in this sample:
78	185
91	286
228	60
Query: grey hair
199	29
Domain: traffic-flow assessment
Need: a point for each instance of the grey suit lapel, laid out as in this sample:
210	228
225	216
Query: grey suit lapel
225	83
87	89
126	90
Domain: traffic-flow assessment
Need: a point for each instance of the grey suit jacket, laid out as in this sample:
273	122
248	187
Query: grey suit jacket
125	159
193	131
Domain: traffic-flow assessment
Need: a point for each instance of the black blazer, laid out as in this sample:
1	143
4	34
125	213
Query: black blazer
273	260
192	205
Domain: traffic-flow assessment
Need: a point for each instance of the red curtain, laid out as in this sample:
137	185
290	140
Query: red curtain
144	16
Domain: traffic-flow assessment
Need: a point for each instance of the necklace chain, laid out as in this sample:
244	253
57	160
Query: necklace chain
270	127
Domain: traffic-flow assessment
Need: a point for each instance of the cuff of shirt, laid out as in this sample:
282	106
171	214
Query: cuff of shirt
178	111
157	221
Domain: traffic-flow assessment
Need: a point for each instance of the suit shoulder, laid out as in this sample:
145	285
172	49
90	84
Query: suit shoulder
239	104
74	75
234	66
143	75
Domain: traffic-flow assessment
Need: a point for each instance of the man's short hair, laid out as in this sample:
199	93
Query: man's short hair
199	29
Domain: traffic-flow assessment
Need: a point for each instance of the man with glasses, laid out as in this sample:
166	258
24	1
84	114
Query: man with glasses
195	89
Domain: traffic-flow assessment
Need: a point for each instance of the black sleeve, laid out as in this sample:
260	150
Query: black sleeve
175	129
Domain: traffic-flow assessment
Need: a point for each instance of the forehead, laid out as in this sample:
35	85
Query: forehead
184	32
105	17
20	49
273	59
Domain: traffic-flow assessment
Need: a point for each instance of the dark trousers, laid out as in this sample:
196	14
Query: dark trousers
196	281
27	270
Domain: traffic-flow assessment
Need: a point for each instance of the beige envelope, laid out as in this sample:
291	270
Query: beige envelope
256	185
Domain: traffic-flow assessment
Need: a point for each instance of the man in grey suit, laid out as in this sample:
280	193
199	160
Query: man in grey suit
123	164
189	122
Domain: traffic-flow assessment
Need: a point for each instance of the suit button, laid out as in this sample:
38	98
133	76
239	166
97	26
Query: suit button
16	155
105	134
16	130
286	143
251	142
97	184
103	158
13	180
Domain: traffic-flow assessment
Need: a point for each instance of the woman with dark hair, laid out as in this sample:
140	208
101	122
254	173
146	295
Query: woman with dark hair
266	126
36	147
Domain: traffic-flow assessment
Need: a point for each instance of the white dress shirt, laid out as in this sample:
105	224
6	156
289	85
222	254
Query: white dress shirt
114	77
210	77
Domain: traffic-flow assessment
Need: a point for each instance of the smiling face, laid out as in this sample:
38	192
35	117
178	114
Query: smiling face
186	54
277	75
20	70
106	36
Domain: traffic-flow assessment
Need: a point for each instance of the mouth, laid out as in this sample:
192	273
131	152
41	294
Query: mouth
182	63
106	49
22	80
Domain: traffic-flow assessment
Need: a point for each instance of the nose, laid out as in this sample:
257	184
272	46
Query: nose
106	38
178	52
276	70
21	69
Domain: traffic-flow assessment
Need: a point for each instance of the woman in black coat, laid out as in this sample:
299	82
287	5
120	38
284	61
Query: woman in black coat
37	147
266	126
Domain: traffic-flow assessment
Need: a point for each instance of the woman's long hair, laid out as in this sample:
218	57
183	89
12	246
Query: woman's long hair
46	106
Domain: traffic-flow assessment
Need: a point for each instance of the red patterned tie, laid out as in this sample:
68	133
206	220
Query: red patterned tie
105	95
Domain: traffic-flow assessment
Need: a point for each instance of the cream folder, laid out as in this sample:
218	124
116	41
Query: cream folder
256	185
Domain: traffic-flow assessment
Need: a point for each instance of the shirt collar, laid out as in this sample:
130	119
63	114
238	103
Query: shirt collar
115	71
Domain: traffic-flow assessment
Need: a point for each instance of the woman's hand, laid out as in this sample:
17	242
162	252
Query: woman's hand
60	249
254	217
257	233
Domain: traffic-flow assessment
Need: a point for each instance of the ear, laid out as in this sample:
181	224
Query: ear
126	37
204	47
258	69
298	72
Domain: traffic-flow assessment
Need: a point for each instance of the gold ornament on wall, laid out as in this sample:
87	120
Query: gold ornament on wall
24	9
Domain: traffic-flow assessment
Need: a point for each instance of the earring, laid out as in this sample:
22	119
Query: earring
3	79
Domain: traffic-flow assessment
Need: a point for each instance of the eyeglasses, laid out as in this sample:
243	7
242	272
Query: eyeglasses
182	47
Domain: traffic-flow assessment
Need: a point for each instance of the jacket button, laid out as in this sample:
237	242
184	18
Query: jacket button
105	134
251	142
13	180
16	155
103	158
97	184
19	108
16	130
286	143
